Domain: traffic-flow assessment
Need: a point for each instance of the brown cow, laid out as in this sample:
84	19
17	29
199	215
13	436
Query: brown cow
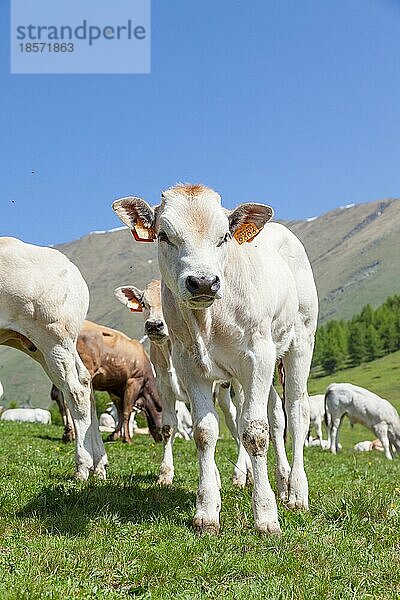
120	366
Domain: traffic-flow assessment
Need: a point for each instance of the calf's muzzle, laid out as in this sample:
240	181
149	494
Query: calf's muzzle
203	286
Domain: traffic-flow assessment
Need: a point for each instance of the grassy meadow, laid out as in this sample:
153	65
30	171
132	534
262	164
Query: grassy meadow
129	538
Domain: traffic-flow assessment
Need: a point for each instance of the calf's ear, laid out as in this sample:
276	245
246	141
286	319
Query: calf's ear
138	216
131	297
247	220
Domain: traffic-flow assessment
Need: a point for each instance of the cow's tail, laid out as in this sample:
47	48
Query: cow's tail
281	375
54	394
327	414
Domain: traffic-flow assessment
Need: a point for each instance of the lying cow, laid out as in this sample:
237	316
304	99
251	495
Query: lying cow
317	416
173	397
27	415
43	302
368	446
365	407
120	366
233	307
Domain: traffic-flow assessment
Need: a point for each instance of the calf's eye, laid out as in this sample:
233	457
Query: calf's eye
162	236
223	240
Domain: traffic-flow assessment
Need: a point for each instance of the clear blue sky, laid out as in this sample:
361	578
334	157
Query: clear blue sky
292	103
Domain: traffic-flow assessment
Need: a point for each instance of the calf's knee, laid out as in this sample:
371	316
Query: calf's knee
206	432
255	438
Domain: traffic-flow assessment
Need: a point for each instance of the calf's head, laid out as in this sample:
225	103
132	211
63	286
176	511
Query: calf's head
147	301
193	232
153	411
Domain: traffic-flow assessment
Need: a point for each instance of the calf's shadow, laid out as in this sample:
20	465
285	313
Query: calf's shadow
68	507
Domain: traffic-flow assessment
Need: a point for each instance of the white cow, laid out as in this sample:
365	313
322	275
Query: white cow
368	446
27	415
365	407
233	307
43	302
317	416
175	413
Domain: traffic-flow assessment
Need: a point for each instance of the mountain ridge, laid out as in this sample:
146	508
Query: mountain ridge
353	250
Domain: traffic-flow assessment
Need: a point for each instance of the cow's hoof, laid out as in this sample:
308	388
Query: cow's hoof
82	473
269	529
165	480
202	525
283	490
297	501
100	472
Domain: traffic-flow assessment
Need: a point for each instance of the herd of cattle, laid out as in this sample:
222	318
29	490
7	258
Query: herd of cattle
237	296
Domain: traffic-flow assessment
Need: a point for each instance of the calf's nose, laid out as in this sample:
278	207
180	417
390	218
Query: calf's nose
200	286
154	326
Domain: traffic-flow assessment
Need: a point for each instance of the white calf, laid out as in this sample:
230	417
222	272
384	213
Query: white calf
27	415
365	407
368	446
233	307
43	302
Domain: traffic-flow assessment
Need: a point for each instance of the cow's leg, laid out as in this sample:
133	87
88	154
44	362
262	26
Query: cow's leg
381	432
131	393
67	371
243	472
99	455
116	434
276	420
334	433
318	426
229	411
205	433
328	424
168	430
256	380
69	432
297	363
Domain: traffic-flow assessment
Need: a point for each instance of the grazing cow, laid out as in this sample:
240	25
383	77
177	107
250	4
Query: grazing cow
120	366
365	407
172	396
27	415
317	416
233	307
43	302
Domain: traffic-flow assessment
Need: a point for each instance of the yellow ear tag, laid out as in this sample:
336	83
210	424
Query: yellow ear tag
246	232
142	233
135	306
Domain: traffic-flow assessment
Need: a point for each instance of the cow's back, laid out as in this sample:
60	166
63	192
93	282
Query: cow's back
111	356
42	283
361	405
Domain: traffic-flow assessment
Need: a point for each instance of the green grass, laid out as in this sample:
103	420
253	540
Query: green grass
127	537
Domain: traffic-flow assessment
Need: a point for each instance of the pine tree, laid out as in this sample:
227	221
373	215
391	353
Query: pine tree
356	343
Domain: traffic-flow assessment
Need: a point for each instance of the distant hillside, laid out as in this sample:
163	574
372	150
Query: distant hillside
354	252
